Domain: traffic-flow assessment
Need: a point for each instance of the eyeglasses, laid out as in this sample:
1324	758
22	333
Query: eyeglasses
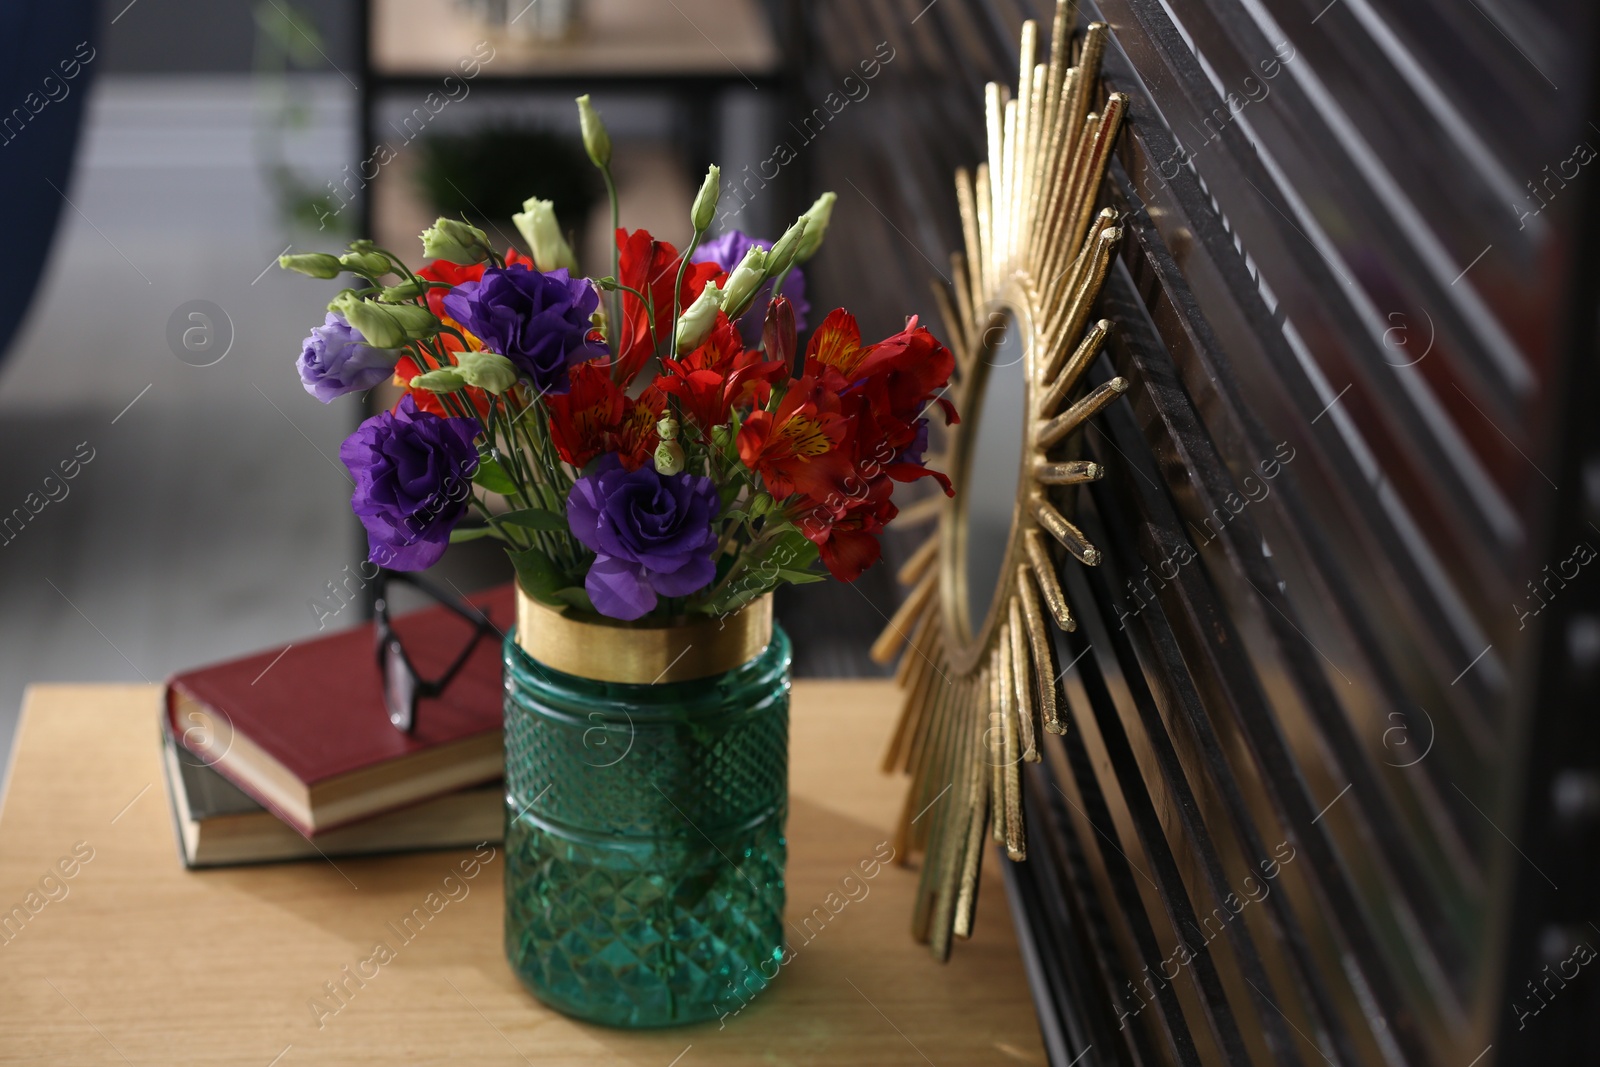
403	687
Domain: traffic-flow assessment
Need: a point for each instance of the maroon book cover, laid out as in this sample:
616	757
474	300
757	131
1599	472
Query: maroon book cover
303	729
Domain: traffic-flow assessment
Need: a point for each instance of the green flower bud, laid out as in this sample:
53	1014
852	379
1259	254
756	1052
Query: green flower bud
385	325
363	244
443	380
366	264
705	202
781	258
667	428
595	139
537	224
312	264
406	290
695	324
455	242
489	371
740	292
669	458
760	504
816	216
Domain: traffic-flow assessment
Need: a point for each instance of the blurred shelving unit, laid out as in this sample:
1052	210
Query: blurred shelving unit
686	53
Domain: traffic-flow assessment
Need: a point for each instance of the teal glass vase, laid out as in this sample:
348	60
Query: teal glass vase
645	835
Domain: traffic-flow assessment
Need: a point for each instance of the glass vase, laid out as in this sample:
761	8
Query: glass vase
645	821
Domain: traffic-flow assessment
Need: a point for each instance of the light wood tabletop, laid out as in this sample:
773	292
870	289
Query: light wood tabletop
123	957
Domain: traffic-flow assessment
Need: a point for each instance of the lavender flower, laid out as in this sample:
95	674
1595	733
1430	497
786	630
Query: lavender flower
651	534
336	360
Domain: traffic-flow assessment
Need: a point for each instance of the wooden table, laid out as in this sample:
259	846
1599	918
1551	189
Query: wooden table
133	960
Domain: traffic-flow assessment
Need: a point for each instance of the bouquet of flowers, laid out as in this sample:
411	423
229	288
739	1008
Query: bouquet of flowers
648	443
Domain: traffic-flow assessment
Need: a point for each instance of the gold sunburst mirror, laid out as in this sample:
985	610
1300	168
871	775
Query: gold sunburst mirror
977	661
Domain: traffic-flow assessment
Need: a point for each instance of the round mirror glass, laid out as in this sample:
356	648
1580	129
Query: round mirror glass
996	461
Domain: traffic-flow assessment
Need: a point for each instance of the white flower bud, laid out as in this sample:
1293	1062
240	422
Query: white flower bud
816	216
538	226
705	202
746	278
695	324
595	139
669	458
455	241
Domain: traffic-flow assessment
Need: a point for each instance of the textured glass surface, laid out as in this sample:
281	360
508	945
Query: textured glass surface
644	839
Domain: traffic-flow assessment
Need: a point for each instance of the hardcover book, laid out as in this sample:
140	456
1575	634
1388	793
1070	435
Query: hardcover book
303	730
218	825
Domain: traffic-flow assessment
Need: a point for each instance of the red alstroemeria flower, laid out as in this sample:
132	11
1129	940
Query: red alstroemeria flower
911	369
846	530
596	416
797	447
635	439
651	266
835	353
452	274
719	376
907	370
584	419
883	446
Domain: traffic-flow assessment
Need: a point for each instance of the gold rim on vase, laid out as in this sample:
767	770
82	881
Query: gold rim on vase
642	653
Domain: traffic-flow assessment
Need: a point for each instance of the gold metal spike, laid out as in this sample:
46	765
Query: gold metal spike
1049	585
972	850
1070	536
1061	379
895	633
1073	472
1011	769
919	561
1044	652
925	510
1079	413
995	754
1022	684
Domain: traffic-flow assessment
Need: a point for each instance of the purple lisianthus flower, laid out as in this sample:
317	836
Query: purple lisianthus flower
651	535
539	320
336	360
726	252
413	473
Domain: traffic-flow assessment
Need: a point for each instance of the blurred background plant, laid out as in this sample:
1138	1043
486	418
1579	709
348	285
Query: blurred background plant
483	175
286	41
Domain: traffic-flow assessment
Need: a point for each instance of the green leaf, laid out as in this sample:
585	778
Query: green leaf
536	519
538	576
575	596
473	533
800	577
492	476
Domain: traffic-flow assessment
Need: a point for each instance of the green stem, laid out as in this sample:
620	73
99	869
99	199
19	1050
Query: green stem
614	320
677	287
777	285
